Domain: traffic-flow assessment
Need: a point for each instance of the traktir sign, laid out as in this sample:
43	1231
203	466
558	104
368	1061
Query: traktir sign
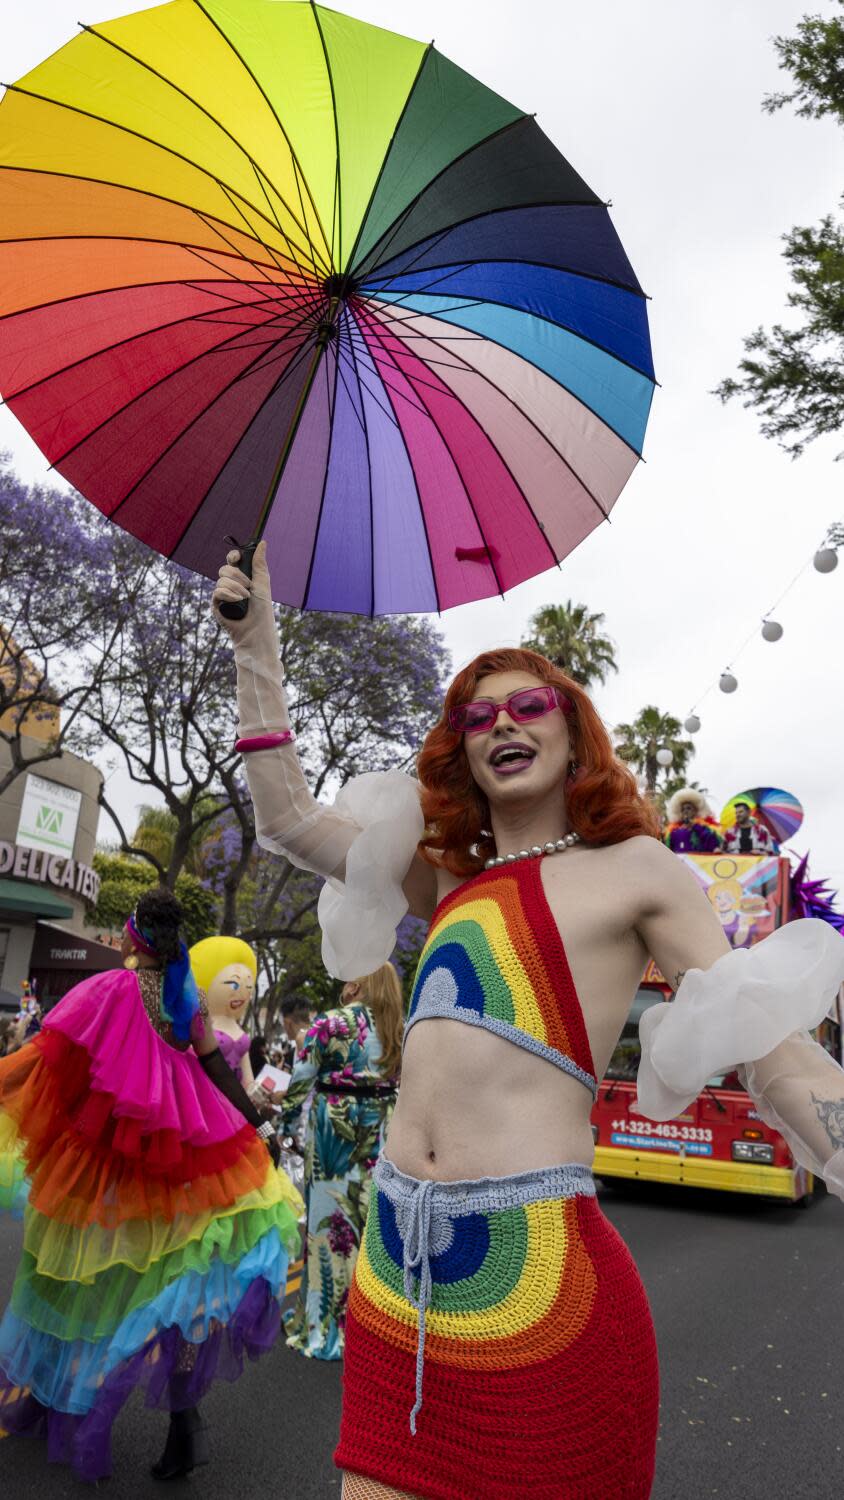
49	869
49	815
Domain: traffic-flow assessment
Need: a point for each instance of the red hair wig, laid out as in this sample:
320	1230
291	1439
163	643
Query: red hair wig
604	804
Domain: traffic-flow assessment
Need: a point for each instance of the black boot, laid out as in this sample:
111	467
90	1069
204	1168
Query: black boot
186	1447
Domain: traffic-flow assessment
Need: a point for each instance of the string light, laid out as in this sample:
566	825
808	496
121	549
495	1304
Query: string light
824	560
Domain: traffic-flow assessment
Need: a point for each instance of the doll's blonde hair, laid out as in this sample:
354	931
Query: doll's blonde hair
212	954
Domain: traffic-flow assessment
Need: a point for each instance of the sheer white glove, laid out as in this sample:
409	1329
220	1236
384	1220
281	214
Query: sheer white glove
288	818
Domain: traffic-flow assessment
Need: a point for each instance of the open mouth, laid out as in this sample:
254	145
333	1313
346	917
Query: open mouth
509	759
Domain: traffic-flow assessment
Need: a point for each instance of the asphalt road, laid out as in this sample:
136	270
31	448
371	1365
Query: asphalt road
748	1300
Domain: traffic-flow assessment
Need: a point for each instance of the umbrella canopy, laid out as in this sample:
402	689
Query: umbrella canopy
781	813
265	268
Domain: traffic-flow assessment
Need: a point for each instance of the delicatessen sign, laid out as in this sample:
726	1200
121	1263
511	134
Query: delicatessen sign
22	863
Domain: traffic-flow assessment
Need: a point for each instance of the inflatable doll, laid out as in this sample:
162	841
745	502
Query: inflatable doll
225	968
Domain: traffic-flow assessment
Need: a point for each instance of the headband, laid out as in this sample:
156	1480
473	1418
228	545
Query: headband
140	939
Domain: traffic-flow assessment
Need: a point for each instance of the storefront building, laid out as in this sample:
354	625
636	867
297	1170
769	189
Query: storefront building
48	828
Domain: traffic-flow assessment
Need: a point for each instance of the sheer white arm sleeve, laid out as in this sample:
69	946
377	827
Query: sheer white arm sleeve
365	843
756	1006
288	818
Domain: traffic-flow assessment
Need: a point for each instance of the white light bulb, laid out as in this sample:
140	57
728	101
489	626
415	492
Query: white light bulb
691	724
771	630
728	683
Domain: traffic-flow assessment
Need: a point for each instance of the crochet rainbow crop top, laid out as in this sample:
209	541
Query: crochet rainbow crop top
494	958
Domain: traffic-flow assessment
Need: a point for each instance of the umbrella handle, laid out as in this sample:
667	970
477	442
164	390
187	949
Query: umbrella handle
238	610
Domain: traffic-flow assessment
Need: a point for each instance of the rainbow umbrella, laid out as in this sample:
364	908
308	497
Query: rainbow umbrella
781	813
270	270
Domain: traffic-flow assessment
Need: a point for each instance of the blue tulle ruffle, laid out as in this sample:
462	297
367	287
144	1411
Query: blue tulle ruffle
67	1376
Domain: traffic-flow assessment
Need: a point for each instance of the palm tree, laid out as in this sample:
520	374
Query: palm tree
571	638
156	833
637	743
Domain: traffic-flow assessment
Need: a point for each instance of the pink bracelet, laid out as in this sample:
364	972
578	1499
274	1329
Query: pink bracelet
266	741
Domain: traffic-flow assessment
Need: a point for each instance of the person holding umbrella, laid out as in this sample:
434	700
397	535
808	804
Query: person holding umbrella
494	1310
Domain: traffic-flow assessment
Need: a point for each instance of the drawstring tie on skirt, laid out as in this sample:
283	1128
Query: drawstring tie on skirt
417	1268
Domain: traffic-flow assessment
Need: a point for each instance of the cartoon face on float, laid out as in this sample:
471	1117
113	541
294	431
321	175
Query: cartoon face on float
225	969
725	897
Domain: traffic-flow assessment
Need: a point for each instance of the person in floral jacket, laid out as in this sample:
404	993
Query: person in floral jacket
349	1062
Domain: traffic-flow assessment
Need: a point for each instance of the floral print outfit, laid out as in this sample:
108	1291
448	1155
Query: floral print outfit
352	1105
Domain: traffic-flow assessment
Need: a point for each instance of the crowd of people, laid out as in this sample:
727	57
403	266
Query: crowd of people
691	827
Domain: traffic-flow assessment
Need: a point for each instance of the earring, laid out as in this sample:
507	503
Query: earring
573	769
131	961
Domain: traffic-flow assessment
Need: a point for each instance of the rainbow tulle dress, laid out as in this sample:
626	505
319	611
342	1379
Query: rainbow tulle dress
157	1232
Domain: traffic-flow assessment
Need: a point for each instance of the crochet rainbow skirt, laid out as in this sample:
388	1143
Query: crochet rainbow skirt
157	1232
498	1343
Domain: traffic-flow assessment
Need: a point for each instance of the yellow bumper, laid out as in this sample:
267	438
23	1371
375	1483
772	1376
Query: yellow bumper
695	1171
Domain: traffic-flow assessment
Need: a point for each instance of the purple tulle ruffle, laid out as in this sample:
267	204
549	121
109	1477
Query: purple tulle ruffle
175	1373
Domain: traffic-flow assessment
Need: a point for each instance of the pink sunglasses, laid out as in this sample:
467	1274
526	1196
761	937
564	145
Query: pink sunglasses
527	704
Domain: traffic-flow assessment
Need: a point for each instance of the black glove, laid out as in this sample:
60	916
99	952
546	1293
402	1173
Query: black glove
225	1080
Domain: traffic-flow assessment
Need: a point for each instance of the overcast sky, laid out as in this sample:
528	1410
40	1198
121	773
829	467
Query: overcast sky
657	105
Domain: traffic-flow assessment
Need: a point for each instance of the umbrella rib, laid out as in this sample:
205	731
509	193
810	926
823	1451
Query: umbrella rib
536	521
297	360
233	279
139	136
532	363
226	344
293	156
387	411
496	302
259	176
246	221
337	207
168	83
413	476
432	241
346	316
423	384
124	187
332	397
273	254
393	229
256	265
386	157
199	415
494	386
133	286
211	313
459	474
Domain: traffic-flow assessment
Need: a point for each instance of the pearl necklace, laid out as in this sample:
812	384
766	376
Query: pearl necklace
535	852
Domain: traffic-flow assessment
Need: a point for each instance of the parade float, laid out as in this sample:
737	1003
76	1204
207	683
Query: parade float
720	1141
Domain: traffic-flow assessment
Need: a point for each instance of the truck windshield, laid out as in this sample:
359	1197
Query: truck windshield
624	1063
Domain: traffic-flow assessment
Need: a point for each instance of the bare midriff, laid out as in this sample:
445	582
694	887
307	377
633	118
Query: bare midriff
474	1105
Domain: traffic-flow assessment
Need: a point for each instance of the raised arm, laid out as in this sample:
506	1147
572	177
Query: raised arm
288	818
754	1007
366	843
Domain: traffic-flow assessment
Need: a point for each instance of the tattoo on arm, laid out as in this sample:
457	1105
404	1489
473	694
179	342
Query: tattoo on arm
830	1112
678	979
